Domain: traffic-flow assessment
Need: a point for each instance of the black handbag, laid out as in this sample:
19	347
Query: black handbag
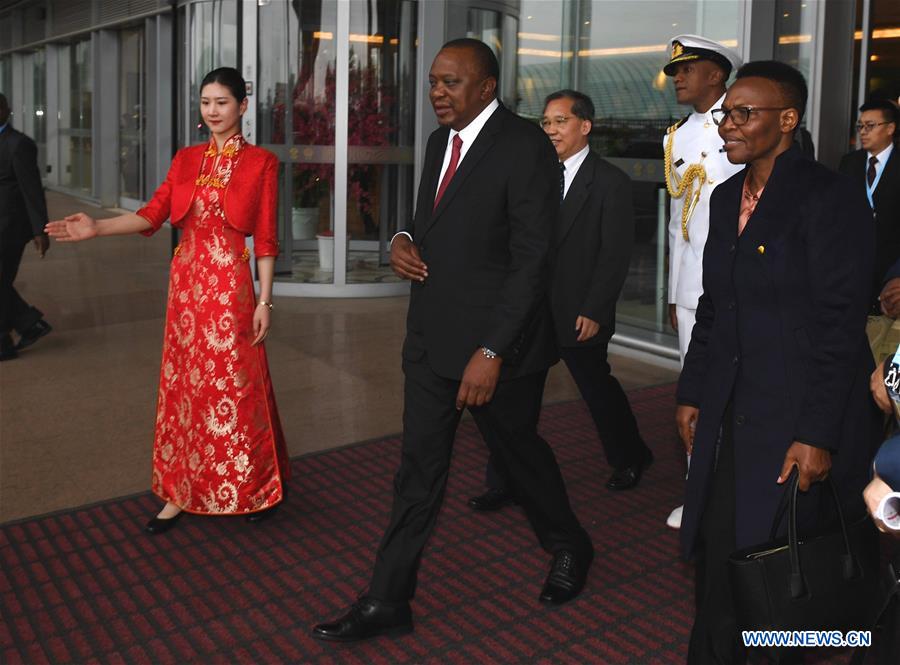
820	582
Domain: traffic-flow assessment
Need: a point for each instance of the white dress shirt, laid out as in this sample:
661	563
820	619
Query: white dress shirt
468	134
572	165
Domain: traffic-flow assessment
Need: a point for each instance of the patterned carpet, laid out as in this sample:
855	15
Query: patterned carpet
89	586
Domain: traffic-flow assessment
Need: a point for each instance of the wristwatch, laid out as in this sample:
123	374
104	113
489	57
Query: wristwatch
490	355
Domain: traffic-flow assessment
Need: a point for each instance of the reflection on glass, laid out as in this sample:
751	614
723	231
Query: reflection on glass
295	118
38	120
883	72
131	114
380	133
75	121
212	42
614	51
795	25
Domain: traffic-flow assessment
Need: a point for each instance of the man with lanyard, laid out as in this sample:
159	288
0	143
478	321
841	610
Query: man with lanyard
695	163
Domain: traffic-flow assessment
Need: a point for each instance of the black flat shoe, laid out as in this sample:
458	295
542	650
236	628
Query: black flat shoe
262	515
494	499
566	578
365	619
158	525
33	334
625	479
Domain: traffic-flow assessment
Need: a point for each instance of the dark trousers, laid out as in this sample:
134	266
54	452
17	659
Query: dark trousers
609	407
714	637
509	425
15	313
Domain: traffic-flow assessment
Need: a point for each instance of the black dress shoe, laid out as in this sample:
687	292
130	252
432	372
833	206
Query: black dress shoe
566	579
367	618
262	515
159	525
494	499
625	479
33	334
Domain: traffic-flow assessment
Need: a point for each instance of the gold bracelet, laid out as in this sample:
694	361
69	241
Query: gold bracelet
266	303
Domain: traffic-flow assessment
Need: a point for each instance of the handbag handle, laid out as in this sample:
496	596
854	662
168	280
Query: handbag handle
798	584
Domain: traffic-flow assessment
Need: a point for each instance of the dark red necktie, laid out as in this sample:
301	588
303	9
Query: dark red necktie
871	172
451	169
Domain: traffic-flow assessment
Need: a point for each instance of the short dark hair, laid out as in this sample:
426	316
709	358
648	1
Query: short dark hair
582	105
788	79
230	78
484	56
888	109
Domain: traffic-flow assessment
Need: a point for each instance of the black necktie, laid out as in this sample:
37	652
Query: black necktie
562	182
870	172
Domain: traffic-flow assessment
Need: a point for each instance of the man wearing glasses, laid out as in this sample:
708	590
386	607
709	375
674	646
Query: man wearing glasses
694	164
875	169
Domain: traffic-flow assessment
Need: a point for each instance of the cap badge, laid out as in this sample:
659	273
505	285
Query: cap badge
677	49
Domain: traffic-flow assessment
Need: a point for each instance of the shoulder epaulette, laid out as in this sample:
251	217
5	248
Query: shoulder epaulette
678	124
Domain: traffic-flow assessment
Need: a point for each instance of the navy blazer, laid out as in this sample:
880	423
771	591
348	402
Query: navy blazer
887	462
23	210
780	334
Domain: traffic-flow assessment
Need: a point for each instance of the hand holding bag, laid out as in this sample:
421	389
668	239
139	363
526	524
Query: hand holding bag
821	582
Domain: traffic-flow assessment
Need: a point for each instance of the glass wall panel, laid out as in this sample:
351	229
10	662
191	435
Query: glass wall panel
75	115
295	119
132	76
614	51
37	109
6	75
795	25
883	79
382	104
211	40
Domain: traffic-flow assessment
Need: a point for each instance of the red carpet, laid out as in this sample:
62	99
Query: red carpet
90	586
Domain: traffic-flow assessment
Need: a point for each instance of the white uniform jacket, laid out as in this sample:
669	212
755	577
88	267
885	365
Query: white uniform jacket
696	141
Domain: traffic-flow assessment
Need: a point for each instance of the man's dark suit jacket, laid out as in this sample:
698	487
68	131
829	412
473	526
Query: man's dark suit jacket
780	334
592	248
23	211
887	209
486	246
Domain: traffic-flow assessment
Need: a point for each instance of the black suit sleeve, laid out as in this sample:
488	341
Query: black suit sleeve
28	175
617	239
532	203
893	272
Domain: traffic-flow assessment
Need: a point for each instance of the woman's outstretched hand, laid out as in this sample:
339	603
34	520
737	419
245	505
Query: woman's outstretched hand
73	228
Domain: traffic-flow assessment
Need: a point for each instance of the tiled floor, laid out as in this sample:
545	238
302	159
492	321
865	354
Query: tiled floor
77	408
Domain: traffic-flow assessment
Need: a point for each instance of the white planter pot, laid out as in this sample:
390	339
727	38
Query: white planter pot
304	222
326	252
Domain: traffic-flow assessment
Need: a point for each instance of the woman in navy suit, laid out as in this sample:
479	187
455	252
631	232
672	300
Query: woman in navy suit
776	375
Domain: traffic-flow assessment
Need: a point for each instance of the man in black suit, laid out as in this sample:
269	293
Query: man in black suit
591	249
479	334
875	170
23	214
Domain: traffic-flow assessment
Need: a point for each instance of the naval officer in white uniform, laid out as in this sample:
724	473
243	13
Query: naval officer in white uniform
694	164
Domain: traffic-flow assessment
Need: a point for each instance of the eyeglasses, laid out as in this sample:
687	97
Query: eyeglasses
868	126
740	115
559	121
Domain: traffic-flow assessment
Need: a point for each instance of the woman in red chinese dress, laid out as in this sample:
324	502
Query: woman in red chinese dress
219	448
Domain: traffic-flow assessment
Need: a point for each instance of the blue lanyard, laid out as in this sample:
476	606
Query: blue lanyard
870	189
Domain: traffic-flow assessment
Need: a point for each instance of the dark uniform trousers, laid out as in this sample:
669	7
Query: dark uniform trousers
15	313
508	424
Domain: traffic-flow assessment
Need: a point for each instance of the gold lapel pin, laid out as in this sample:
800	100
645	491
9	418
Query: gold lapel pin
761	249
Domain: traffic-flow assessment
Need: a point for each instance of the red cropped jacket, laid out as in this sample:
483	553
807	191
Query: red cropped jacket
250	199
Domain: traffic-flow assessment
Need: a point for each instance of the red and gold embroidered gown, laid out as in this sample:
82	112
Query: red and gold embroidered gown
219	447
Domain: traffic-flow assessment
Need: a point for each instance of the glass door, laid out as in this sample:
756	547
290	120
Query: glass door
132	96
